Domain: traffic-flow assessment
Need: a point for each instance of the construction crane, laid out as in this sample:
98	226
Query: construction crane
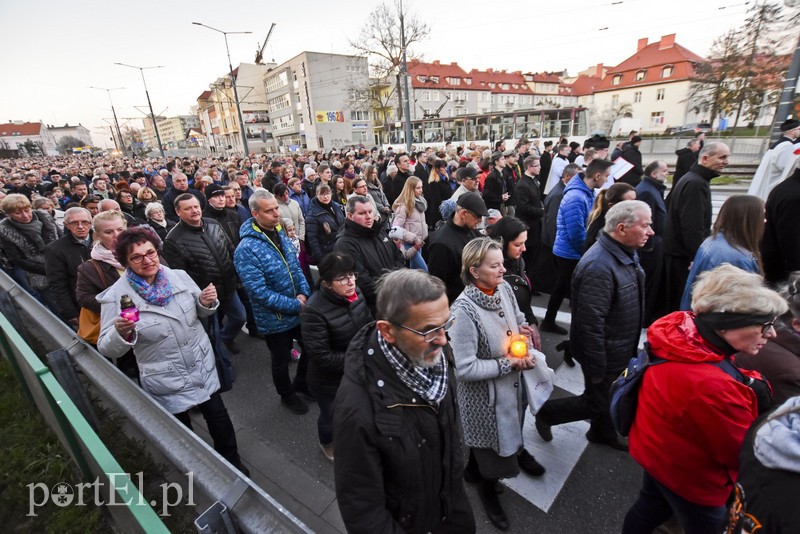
260	52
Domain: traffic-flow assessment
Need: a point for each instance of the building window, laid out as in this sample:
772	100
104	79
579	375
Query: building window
660	94
666	72
359	115
640	75
614	100
657	118
276	82
637	97
616	79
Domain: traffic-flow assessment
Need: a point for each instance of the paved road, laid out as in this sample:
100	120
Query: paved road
587	488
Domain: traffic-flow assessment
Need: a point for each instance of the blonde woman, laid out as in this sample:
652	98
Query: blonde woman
409	215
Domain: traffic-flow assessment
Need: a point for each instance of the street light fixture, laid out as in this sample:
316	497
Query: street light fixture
152	115
121	145
233	81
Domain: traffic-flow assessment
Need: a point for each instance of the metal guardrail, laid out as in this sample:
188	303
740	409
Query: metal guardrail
77	436
214	479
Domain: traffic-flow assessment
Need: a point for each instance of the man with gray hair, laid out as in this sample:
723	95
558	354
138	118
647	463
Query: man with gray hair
270	272
607	311
399	458
62	259
689	219
364	240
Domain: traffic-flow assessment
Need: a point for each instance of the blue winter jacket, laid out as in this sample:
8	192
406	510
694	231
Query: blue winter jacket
571	219
272	278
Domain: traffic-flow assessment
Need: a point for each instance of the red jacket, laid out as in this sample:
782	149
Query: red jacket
691	419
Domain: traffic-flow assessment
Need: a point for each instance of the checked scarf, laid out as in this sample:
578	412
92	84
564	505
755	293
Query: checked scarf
428	383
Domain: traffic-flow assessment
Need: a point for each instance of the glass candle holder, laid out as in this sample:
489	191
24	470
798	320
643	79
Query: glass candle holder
519	346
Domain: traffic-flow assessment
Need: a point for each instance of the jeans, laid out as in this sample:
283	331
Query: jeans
416	261
219	426
592	404
325	419
235	316
280	348
562	288
656	504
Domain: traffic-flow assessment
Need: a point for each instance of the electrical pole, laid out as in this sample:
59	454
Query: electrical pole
121	145
406	101
150	104
233	81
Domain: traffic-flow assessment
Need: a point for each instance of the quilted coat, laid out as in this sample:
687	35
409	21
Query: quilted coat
175	358
607	307
205	253
329	322
272	278
571	219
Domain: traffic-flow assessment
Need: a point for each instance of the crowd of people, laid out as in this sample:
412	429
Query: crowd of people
399	281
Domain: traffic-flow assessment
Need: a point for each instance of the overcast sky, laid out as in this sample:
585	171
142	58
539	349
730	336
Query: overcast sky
52	51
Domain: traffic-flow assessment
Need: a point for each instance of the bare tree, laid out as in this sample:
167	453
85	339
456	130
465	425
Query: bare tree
380	40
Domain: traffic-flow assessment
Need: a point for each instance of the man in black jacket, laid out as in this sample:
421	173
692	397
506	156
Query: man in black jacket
632	155
375	254
607	309
495	192
216	209
180	185
780	246
447	244
399	460
689	219
530	210
397	181
199	247
62	259
687	157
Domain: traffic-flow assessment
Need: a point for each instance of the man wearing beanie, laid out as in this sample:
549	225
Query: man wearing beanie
215	209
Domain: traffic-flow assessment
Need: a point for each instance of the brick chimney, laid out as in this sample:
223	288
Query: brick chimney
436	62
667	41
641	44
599	70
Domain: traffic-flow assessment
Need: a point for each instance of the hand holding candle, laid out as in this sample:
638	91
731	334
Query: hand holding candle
519	346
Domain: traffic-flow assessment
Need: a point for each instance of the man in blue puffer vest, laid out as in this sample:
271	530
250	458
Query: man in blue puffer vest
271	275
571	234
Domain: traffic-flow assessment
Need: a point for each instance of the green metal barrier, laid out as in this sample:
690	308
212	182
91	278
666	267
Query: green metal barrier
131	512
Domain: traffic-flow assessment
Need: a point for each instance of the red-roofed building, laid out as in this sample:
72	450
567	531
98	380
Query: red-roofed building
447	90
549	90
652	85
15	135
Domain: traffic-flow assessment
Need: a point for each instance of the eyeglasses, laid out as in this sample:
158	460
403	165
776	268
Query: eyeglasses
766	327
151	255
80	223
345	280
431	334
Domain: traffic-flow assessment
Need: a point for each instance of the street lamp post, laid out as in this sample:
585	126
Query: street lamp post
147	93
233	81
121	145
407	100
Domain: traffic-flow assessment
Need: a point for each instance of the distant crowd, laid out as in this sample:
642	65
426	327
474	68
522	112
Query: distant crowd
398	281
